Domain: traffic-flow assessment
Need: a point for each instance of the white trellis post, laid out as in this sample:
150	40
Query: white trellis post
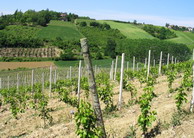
192	97
115	73
148	72
50	81
133	64
160	64
154	64
70	68
172	62
137	66
55	77
168	59
121	82
0	83
79	78
112	70
175	61
127	65
32	81
17	81
145	65
8	82
43	82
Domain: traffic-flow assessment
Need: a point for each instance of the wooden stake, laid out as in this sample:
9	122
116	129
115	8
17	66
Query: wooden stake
92	86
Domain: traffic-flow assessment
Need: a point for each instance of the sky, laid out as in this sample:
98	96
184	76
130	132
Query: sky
157	12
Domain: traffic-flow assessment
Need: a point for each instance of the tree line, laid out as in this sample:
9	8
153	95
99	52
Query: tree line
33	18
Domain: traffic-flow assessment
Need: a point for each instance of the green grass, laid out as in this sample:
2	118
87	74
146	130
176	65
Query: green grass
129	30
21	31
101	63
65	30
185	38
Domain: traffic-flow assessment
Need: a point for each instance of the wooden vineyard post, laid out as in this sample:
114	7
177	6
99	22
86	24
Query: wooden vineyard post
160	64
148	72
92	86
133	64
79	78
115	73
50	81
168	59
121	82
192	97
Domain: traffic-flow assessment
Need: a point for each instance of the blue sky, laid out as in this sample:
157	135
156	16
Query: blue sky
158	12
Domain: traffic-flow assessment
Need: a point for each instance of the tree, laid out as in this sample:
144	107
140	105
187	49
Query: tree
110	48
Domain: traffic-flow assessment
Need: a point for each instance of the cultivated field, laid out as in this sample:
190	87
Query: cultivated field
15	65
64	30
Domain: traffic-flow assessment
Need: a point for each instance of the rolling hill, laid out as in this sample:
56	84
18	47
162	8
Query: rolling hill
129	30
65	30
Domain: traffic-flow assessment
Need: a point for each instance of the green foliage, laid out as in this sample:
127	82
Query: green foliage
110	48
97	37
147	117
171	75
140	47
180	98
159	32
64	91
104	89
64	30
86	121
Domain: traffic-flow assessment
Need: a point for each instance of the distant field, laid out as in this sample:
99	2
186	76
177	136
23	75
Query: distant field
101	63
184	37
65	30
15	65
129	30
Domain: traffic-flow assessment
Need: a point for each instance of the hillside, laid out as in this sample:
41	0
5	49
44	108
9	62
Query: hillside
185	38
65	30
129	30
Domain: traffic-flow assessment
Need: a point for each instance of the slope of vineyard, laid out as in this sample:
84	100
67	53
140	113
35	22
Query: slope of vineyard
64	30
184	37
117	123
129	30
30	52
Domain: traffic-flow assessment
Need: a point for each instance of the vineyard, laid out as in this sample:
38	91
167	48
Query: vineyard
30	52
148	101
